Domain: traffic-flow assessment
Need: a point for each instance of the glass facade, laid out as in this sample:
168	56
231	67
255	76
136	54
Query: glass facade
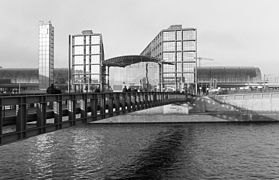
88	74
176	45
46	54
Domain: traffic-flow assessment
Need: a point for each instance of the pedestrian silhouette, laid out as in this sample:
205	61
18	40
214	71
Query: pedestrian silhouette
52	90
124	89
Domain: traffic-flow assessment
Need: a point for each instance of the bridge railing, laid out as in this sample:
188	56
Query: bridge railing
29	115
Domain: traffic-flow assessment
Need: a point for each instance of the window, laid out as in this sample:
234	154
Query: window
95	49
78	40
95	78
95	39
169	57
178	35
95	69
189	56
189	35
179	57
169	68
179	67
189	67
189	45
78	59
78	49
189	78
178	46
95	59
169	46
168	36
78	69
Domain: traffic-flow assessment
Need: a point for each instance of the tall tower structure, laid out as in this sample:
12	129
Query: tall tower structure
46	54
87	56
176	45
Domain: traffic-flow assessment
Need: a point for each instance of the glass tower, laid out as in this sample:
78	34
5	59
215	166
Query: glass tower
46	54
176	45
87	55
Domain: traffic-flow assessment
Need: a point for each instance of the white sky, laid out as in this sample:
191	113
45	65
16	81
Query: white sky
233	32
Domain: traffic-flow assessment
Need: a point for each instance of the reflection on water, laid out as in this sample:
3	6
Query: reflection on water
146	151
157	159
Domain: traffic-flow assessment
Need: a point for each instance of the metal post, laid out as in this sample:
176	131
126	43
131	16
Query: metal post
94	106
58	113
116	103
83	108
21	119
196	65
1	121
41	115
110	104
103	106
72	110
69	66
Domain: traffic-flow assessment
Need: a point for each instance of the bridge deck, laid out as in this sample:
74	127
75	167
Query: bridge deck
26	116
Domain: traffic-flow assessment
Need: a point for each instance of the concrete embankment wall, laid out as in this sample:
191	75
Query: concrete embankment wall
263	106
253	102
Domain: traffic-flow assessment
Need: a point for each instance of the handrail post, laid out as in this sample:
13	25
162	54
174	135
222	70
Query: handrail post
41	114
133	101
116	103
1	120
58	113
123	103
83	108
94	106
72	110
103	106
128	101
21	119
110	104
141	101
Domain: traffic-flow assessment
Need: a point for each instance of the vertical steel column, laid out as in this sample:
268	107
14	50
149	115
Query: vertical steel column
72	110
116	103
1	120
123	103
136	101
103	105
133	101
155	102
69	66
21	119
94	106
58	113
128	100
83	108
41	114
110	104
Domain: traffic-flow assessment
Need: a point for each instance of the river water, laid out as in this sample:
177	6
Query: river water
147	151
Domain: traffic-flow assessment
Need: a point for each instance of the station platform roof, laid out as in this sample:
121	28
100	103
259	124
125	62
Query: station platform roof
123	61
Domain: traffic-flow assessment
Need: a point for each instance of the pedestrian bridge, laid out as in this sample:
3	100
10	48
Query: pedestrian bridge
23	116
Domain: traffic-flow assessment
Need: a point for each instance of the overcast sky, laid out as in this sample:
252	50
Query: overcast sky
232	32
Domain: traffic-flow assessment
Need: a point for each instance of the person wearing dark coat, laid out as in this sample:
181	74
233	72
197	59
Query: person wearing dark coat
124	89
52	90
97	89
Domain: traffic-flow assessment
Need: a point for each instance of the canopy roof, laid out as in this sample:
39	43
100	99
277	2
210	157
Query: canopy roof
123	61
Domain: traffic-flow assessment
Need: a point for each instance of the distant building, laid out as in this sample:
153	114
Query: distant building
46	54
176	45
87	56
228	76
26	80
